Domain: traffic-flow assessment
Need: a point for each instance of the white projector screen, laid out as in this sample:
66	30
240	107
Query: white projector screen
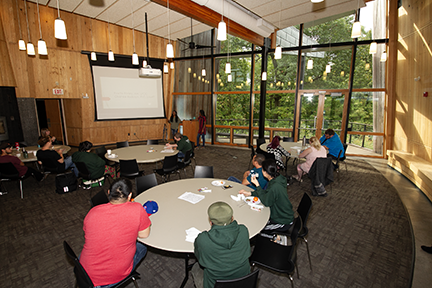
121	94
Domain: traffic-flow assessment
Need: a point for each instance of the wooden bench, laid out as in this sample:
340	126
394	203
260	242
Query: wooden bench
416	169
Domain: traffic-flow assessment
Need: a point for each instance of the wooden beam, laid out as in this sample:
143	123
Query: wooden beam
211	18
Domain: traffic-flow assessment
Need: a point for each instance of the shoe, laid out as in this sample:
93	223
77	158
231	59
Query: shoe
427	249
3	193
280	239
297	178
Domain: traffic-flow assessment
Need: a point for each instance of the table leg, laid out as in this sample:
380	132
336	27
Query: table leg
188	267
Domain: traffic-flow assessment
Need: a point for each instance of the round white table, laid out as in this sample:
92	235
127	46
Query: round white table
32	150
292	147
142	153
175	216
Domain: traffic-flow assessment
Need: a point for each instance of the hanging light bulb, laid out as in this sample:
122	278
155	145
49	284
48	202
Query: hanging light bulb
110	55
383	57
135	60
310	64
367	66
59	26
194	75
165	69
169	51
30	49
328	68
93	56
144	63
172	65
199	77
227	68
21	45
342	73
222	35
373	48
264	76
42	48
278	53
203	72
356	30
189	70
229	78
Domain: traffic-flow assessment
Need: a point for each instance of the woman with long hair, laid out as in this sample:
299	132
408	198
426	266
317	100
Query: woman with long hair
202	128
316	150
174	121
45	132
278	151
274	196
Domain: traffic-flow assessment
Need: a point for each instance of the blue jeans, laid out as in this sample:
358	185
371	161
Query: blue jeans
203	139
69	164
141	251
234	179
173	132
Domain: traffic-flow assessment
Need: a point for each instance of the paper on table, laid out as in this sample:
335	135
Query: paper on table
167	151
191	234
191	197
238	197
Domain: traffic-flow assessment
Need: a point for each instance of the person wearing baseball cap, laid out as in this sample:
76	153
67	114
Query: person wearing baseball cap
223	251
6	156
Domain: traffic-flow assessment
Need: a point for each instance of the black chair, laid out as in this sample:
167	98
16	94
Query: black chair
203	172
193	151
251	158
260	141
99	198
130	169
145	182
169	167
303	211
123	144
101	151
84	173
248	281
321	175
152	142
8	172
276	257
82	278
186	162
50	166
342	159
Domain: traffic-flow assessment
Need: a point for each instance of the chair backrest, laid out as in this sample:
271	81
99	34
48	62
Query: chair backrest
304	209
145	182
322	167
83	280
187	158
101	151
193	148
203	172
170	163
123	144
152	142
288	139
248	281
8	171
260	141
129	168
83	171
50	165
99	198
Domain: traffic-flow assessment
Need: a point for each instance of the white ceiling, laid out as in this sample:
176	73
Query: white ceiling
279	13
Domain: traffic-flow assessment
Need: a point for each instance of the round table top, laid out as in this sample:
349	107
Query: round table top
142	153
175	216
292	147
31	150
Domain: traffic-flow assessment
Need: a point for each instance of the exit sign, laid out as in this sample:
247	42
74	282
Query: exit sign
58	91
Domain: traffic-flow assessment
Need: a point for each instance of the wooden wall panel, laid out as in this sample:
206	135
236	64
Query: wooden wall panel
7	77
413	117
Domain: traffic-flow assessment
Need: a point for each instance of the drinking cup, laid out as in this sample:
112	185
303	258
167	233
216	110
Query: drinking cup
109	151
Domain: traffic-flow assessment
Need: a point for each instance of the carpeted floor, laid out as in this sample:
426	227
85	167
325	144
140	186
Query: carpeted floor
359	236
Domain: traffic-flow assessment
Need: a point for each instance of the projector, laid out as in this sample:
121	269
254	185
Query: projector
150	72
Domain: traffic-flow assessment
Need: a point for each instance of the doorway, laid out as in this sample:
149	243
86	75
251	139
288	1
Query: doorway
50	115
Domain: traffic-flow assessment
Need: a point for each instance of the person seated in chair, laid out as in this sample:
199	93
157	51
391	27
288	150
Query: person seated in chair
274	196
111	250
314	151
95	164
6	157
278	151
183	144
223	252
331	141
45	132
256	172
56	155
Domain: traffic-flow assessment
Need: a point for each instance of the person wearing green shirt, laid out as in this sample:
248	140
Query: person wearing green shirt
95	164
274	196
183	144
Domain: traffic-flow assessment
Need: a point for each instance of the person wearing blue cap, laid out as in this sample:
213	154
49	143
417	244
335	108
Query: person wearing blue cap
223	251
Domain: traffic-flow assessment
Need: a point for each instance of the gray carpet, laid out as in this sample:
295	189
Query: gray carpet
359	235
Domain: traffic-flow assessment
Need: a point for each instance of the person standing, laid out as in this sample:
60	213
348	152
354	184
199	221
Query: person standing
174	121
6	157
202	128
223	251
111	250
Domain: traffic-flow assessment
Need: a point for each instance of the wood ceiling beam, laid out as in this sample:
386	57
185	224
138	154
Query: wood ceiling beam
211	18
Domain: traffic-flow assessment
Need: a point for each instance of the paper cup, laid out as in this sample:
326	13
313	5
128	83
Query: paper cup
298	151
34	152
18	155
109	151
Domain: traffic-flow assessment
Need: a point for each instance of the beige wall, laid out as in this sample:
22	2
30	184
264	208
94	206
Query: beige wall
65	67
413	115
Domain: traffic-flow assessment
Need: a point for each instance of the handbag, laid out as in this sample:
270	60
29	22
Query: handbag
66	182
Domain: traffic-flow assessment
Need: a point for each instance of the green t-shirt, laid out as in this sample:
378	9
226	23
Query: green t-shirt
184	144
94	163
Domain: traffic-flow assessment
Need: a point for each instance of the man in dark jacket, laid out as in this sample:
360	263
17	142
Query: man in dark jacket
223	251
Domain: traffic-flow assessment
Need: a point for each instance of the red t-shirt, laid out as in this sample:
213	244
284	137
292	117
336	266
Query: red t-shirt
16	162
111	232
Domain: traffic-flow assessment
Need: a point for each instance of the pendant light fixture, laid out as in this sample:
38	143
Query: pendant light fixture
328	68
356	29
229	78
278	51
30	46
222	31
59	26
165	68
203	71
110	53
373	48
172	65
93	56
383	56
135	60
169	47
310	64
264	76
42	48
228	64
21	43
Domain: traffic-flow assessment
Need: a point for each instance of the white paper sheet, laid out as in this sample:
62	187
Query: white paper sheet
191	197
191	234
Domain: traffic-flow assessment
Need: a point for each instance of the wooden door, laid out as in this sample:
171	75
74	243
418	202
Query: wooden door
54	118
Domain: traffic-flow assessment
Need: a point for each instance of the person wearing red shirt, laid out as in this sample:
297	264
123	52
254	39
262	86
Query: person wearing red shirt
111	251
202	128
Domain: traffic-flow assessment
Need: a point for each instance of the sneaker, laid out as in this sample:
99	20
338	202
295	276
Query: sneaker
3	193
296	177
427	249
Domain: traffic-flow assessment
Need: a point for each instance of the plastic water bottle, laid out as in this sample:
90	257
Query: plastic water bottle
304	142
